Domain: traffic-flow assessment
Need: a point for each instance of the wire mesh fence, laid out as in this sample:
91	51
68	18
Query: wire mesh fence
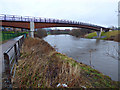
7	36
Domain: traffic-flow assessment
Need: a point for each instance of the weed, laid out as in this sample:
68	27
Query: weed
41	67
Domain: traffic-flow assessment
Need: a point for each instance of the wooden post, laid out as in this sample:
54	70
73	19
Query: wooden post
22	40
19	48
7	81
16	57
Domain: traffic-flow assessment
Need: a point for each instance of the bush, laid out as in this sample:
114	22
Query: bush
79	32
41	33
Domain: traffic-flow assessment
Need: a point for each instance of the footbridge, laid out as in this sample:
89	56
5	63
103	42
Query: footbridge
31	23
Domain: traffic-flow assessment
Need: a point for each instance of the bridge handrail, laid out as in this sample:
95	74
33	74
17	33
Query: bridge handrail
9	62
40	19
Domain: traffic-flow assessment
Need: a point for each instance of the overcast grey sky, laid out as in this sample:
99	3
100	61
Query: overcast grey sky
100	12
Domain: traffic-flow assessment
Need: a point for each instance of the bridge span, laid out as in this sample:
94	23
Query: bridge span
31	23
24	22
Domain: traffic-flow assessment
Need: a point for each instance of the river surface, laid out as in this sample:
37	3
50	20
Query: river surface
101	55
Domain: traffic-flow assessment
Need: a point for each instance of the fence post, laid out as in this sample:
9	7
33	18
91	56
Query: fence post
16	57
4	17
7	77
21	42
19	47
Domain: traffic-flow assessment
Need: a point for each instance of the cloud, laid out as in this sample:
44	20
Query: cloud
100	12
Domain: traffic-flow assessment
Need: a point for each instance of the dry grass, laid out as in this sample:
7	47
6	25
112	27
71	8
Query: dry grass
41	66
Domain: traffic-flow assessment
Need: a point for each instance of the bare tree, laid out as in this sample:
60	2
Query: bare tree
79	32
41	33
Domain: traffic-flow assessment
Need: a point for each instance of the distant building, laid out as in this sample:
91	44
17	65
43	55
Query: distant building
119	14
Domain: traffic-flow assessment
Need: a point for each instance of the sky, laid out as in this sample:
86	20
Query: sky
99	12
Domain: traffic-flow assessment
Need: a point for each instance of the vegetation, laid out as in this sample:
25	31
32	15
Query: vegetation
91	35
57	32
6	35
40	66
111	35
0	37
41	33
79	32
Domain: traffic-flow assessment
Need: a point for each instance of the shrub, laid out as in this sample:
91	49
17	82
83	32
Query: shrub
79	32
41	33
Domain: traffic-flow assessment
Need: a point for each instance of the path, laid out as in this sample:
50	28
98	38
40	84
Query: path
3	48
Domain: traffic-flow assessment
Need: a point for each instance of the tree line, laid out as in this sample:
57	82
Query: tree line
80	32
74	32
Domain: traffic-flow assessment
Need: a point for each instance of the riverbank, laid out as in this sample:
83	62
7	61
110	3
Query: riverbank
41	66
111	35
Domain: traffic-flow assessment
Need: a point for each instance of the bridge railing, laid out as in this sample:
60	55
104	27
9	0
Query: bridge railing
40	19
10	60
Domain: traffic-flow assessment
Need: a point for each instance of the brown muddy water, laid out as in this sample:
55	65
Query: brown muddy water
102	55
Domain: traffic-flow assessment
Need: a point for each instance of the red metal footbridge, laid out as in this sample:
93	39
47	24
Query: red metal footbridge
39	22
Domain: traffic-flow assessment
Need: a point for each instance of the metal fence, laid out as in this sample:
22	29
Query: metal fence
7	36
10	61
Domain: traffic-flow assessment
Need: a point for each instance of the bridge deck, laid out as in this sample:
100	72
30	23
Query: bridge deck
24	22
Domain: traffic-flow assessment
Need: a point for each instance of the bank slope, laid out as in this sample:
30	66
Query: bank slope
111	35
40	66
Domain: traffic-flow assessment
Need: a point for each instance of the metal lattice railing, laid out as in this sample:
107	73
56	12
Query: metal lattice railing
40	19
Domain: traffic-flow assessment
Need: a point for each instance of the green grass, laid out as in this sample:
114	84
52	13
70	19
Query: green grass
111	33
91	35
107	34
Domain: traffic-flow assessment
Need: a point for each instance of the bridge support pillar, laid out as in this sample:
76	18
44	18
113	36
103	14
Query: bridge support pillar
32	27
99	33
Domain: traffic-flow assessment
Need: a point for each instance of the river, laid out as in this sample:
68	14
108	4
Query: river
101	55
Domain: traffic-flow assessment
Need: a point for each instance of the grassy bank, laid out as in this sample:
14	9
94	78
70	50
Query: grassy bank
112	35
41	66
